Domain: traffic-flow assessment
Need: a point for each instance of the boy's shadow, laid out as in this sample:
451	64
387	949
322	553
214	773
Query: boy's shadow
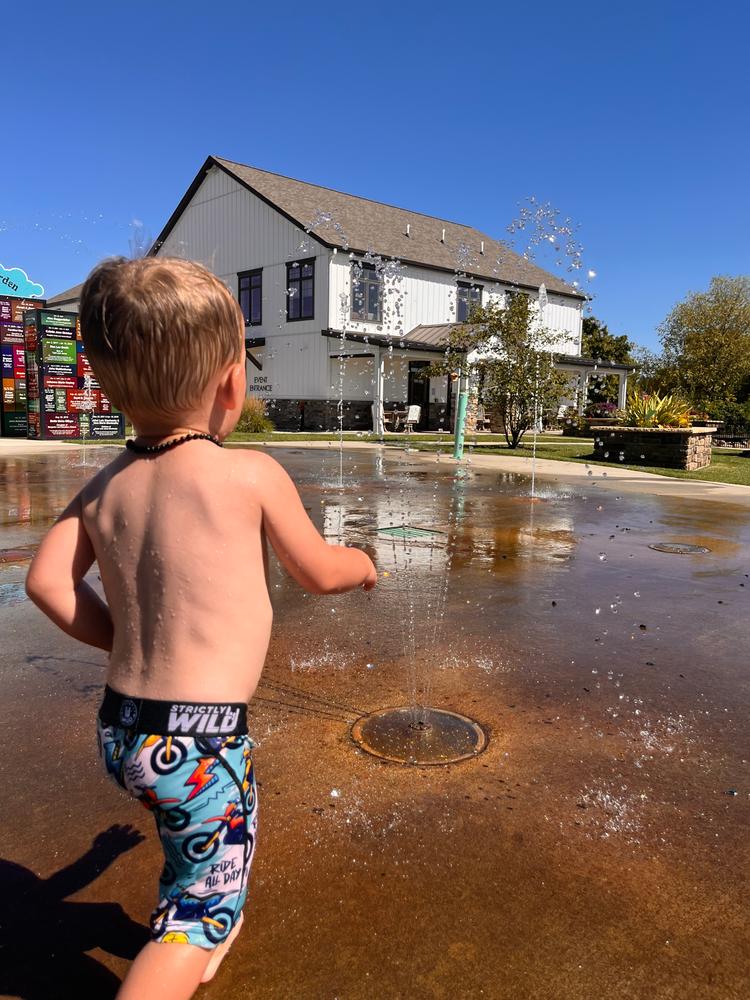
44	939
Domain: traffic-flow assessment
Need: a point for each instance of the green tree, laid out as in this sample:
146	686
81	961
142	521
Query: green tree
652	375
598	343
508	358
601	345
706	342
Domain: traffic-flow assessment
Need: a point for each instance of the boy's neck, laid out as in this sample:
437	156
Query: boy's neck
152	432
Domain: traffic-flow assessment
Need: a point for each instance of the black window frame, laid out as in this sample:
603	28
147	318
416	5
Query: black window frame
468	286
297	284
370	270
256	272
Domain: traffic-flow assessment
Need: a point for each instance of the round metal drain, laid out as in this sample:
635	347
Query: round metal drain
680	548
421	736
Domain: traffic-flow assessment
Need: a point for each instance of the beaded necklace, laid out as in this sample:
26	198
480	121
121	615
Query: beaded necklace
157	449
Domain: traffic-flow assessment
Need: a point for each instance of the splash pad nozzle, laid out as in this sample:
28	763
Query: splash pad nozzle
419	736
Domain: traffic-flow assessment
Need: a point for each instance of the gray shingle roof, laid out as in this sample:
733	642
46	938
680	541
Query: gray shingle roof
69	295
434	336
361	224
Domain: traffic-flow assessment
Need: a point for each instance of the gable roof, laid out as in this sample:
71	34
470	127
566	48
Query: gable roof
69	295
355	224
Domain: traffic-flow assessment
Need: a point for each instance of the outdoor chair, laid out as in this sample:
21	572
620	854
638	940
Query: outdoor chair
390	419
413	415
482	421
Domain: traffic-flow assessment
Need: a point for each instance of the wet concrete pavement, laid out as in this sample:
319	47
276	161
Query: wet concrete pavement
596	849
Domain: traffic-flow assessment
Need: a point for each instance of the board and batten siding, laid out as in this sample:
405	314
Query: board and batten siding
228	229
426	297
295	366
421	296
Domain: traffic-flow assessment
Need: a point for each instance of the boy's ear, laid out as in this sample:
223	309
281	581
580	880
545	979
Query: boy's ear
231	388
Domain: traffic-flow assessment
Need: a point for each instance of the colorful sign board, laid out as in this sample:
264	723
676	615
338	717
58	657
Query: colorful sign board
64	399
12	355
15	281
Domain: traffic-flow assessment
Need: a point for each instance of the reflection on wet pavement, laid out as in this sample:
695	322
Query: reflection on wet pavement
596	849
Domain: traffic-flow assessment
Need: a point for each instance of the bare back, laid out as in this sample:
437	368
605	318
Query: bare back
180	546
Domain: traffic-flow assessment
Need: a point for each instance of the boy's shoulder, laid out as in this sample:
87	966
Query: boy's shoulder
256	467
252	468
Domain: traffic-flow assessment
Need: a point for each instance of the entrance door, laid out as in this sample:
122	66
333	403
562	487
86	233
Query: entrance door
419	392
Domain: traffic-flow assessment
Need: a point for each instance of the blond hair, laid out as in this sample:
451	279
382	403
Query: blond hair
156	330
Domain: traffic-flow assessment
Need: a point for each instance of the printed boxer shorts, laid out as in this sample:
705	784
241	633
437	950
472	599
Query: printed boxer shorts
189	764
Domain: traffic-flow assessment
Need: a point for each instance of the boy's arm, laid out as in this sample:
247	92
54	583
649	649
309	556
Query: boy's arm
55	581
317	566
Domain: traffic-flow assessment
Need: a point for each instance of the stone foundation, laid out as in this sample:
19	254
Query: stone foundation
323	415
671	448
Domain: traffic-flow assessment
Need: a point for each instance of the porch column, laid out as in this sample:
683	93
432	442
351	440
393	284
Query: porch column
377	404
583	393
622	390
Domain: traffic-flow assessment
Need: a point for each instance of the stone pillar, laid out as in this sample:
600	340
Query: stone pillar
471	410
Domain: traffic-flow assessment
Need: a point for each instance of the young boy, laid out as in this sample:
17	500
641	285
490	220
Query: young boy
177	526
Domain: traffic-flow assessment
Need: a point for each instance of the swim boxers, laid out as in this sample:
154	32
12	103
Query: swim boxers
191	765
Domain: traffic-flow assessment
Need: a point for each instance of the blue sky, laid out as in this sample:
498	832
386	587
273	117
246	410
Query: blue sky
632	122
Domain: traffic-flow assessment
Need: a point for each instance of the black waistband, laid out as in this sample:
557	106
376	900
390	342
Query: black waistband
173	718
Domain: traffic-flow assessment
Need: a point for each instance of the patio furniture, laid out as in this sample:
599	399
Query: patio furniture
481	421
393	419
413	415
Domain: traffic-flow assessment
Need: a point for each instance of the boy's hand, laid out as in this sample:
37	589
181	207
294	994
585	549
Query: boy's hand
371	574
372	577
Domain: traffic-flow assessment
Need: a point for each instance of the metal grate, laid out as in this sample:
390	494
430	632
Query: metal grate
408	531
680	548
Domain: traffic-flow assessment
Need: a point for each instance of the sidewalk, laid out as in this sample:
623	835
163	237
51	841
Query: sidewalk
611	478
9	447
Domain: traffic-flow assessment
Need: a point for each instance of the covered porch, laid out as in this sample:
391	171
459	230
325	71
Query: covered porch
583	370
386	371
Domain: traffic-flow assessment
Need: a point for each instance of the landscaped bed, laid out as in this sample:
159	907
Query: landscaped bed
686	448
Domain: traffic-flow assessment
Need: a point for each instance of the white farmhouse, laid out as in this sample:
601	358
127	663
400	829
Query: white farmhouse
344	298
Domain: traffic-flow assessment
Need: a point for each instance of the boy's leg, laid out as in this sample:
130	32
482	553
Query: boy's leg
220	951
165	972
203	795
173	971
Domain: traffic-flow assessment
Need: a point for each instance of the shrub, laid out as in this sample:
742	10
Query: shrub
735	415
253	419
653	410
601	410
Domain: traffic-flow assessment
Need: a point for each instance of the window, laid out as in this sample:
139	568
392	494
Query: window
469	297
367	294
300	290
250	288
